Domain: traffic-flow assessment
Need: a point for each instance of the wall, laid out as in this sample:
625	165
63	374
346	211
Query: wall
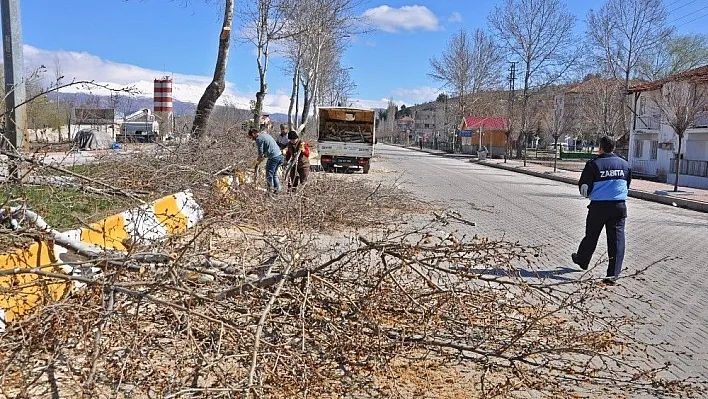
688	181
48	135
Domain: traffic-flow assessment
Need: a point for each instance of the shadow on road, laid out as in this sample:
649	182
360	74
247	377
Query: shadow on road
556	274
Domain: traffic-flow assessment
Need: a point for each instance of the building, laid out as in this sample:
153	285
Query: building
654	142
100	119
430	121
477	133
405	124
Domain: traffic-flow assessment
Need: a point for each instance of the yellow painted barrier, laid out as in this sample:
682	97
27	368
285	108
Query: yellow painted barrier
21	293
109	233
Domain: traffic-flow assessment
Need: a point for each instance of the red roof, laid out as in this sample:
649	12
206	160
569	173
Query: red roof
474	122
696	75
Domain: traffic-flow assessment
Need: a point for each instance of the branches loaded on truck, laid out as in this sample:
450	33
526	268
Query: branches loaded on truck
346	138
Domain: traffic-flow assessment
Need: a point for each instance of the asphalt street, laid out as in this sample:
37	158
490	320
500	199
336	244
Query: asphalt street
537	211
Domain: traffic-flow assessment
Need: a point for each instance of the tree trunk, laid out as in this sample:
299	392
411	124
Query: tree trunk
217	85
257	108
263	89
293	96
678	163
305	103
297	105
555	158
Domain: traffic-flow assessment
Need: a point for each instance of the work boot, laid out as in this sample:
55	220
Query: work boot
609	281
574	256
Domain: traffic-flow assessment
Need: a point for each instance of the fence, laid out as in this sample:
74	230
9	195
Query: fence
690	167
645	167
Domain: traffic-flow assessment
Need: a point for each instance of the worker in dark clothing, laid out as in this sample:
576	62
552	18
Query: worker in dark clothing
299	172
605	180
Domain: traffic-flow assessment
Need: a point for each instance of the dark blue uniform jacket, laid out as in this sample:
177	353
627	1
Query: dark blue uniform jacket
608	177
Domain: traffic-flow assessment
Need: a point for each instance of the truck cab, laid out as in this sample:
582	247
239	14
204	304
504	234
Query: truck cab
139	126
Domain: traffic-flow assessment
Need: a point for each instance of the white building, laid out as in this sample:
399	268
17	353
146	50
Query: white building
654	145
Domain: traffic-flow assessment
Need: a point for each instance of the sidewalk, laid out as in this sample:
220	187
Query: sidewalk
687	197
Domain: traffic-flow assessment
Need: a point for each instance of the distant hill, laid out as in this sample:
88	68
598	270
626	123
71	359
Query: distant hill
124	104
121	103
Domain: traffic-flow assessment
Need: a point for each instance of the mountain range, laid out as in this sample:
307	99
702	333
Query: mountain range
125	104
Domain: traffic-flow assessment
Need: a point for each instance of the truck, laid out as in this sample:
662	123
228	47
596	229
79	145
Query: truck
139	126
346	138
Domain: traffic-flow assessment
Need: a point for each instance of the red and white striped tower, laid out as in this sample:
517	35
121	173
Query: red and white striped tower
163	105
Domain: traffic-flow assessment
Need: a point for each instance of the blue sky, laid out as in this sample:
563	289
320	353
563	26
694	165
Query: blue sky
135	41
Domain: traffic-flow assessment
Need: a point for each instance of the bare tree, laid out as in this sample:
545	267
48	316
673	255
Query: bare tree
295	45
675	54
388	117
323	27
265	25
623	33
468	65
337	86
597	108
540	34
218	83
681	103
557	119
319	44
294	53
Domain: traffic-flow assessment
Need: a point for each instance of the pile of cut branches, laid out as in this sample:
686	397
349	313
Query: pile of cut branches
305	314
342	289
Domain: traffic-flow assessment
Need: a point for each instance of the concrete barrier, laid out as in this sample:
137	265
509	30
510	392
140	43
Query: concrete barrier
26	280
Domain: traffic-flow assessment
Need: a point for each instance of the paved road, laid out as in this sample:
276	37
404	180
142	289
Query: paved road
537	211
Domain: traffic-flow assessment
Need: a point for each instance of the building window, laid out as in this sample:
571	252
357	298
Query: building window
638	148
654	148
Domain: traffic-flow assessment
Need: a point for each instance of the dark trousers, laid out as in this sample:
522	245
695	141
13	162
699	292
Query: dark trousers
298	176
611	215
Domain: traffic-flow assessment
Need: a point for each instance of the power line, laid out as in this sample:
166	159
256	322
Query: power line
682	6
697	18
689	14
672	3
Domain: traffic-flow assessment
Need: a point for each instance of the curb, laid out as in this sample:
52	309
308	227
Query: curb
697	206
32	287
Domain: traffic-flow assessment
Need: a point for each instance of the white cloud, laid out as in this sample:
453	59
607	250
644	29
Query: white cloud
81	66
404	18
370	104
455	17
417	95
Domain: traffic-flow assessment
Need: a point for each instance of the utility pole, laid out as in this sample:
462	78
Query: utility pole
14	80
512	79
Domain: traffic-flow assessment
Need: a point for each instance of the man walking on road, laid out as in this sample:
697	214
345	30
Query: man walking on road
605	180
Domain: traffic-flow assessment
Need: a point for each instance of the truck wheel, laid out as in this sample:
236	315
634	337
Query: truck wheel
365	169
